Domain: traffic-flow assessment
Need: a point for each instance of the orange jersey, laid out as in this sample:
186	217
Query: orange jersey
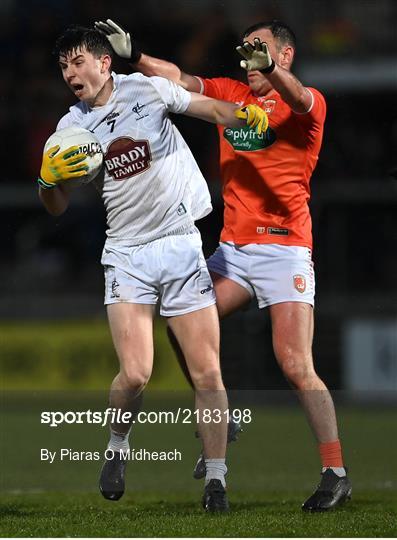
266	177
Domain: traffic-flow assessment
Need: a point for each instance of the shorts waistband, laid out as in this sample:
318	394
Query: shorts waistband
185	229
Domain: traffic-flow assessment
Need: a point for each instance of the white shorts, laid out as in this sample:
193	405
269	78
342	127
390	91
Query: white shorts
172	269
272	272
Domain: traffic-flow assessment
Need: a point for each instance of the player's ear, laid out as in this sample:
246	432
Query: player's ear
106	62
287	56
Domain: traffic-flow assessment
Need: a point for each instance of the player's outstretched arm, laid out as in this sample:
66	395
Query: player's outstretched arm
150	66
125	47
257	58
227	114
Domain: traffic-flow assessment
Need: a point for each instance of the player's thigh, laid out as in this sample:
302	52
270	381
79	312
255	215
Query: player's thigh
230	296
131	326
228	267
197	333
292	333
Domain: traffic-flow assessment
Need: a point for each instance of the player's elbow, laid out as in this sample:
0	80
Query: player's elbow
55	212
55	206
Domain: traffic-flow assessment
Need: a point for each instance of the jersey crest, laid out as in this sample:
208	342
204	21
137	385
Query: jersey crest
299	283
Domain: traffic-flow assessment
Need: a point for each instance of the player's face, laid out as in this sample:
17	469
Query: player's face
84	74
258	83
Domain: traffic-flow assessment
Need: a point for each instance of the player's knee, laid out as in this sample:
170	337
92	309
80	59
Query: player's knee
135	379
207	379
298	374
297	368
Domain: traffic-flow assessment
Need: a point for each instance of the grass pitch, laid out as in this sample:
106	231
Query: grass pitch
272	469
276	514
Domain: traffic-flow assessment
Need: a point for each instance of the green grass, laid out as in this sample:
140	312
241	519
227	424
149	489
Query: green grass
265	515
272	469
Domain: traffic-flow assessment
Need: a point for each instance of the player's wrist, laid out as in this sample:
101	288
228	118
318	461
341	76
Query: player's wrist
135	55
45	185
269	69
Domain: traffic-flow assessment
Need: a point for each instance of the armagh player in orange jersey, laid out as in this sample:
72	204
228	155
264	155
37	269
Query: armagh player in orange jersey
266	241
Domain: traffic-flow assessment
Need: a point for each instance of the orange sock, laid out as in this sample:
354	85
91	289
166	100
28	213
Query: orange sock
331	454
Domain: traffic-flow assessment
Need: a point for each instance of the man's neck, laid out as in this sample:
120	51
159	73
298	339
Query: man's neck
265	94
103	95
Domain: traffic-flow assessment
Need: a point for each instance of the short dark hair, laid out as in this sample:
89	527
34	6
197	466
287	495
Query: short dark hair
78	37
281	32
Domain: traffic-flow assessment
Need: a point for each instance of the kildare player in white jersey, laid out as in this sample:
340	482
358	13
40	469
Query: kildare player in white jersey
153	192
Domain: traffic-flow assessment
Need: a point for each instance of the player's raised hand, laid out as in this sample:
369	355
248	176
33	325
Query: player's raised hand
254	116
119	40
56	168
256	57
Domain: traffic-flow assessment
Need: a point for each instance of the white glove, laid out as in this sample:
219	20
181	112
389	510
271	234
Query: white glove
119	40
256	57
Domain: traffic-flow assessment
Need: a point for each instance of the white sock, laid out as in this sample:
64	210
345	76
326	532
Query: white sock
119	441
215	469
339	471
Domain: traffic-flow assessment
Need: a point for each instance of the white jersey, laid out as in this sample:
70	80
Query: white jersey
152	185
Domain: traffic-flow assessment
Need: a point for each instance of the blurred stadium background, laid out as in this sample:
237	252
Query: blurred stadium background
52	320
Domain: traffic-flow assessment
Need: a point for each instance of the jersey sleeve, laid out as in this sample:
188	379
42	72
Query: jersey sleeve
175	98
73	117
64	122
217	88
317	111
